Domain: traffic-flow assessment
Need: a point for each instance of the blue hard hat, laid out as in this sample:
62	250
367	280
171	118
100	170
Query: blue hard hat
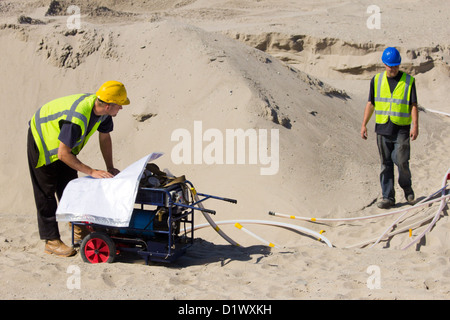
391	57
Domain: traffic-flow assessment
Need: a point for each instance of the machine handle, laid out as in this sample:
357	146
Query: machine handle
208	211
229	200
208	196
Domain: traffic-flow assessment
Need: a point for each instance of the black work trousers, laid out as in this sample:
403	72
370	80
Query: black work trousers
394	149
48	182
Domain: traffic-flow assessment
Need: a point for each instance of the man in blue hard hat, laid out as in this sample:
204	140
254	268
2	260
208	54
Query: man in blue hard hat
393	98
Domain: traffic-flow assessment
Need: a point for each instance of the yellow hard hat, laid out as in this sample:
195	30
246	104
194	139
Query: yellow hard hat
113	92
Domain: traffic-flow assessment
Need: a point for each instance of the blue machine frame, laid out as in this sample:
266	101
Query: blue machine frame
154	241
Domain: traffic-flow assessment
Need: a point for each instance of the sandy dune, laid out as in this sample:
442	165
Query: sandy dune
302	69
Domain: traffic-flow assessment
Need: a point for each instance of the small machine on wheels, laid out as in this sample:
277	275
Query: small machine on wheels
157	230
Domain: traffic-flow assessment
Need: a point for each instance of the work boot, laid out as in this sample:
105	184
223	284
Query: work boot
58	248
79	232
386	203
409	196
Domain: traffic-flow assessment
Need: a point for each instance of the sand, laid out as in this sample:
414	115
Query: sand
300	68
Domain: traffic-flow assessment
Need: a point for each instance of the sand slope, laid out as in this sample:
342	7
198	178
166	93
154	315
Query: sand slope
230	65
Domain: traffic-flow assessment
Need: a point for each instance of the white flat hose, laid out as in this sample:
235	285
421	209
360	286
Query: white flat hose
403	229
211	221
418	205
436	217
418	223
443	199
267	243
401	216
272	223
439	112
237	223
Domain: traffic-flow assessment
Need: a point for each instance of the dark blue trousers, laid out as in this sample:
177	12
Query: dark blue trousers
394	149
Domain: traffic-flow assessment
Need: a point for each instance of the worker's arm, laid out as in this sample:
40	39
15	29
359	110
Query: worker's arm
65	155
415	122
367	115
106	148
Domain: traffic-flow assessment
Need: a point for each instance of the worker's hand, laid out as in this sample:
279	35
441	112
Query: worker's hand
364	132
414	133
114	171
100	174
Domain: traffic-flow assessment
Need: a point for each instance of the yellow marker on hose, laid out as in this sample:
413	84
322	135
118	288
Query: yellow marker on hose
240	227
321	231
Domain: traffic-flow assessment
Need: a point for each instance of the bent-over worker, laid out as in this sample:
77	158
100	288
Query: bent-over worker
57	133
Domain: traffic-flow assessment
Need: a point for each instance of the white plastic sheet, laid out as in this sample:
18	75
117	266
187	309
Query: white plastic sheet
108	202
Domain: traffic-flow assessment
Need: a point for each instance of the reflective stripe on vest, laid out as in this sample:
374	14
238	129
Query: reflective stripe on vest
46	155
395	105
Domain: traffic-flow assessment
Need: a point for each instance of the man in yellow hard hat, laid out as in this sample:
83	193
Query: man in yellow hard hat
57	133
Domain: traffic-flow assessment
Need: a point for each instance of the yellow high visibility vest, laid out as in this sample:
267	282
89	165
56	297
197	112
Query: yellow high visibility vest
395	105
45	124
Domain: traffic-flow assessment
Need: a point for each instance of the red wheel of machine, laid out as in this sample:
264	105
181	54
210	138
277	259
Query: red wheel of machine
98	248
